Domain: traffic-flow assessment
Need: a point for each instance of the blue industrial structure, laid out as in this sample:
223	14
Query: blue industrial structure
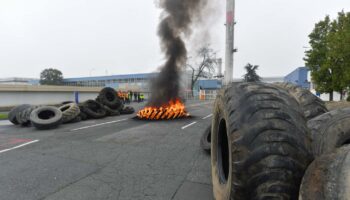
299	77
211	84
140	82
129	81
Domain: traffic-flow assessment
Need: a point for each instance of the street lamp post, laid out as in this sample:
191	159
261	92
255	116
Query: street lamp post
230	23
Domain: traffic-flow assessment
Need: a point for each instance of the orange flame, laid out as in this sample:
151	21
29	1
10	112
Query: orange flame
173	109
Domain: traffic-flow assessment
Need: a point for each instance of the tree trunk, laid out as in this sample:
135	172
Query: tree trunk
331	96
341	95
192	85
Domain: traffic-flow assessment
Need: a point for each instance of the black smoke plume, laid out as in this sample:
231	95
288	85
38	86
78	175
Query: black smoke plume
179	16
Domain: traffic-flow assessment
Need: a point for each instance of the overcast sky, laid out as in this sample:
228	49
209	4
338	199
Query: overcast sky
99	37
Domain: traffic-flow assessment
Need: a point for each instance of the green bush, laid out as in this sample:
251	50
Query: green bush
348	98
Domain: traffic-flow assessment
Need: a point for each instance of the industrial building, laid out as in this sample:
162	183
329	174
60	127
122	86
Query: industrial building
18	81
299	77
135	82
141	82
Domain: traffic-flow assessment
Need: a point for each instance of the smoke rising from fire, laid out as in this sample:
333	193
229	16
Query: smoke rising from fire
177	19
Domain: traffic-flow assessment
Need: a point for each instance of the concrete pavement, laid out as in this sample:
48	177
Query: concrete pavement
113	158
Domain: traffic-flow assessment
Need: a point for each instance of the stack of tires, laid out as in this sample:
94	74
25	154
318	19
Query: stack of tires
47	117
328	177
277	141
41	117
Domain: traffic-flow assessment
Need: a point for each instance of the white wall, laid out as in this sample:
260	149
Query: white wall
37	98
325	96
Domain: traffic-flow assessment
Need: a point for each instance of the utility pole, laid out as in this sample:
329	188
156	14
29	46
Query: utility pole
230	23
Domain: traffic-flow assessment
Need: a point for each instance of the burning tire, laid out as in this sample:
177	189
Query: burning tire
23	117
328	177
330	131
127	110
108	96
310	104
46	117
93	109
205	140
12	114
260	146
69	112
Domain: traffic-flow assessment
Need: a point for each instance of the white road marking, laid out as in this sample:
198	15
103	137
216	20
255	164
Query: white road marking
95	125
188	125
5	122
198	104
19	146
207	116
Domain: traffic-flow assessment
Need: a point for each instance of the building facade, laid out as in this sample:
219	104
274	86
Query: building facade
299	77
135	82
19	81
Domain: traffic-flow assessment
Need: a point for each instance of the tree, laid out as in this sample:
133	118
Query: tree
329	56
251	75
316	57
51	77
205	66
339	52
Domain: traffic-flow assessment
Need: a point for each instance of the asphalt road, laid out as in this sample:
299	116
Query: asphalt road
112	158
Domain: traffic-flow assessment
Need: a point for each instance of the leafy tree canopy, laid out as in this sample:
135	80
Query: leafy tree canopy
51	77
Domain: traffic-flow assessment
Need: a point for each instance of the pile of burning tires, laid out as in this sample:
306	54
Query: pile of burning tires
48	117
277	141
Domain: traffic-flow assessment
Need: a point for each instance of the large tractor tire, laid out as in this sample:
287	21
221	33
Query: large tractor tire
23	117
46	117
260	145
82	114
310	104
93	109
330	131
328	177
205	140
108	96
12	114
111	112
69	112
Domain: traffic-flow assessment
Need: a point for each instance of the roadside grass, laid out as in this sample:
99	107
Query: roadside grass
3	116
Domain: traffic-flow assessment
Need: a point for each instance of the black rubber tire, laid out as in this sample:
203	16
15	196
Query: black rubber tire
23	117
75	120
108	96
82	114
46	117
69	112
127	110
205	140
94	110
330	131
310	104
111	112
260	145
66	102
12	114
328	177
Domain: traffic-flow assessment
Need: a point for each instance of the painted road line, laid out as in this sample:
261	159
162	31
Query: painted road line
5	122
199	104
188	125
19	146
207	116
96	125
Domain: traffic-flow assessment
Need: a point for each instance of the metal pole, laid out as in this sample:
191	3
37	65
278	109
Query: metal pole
230	23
